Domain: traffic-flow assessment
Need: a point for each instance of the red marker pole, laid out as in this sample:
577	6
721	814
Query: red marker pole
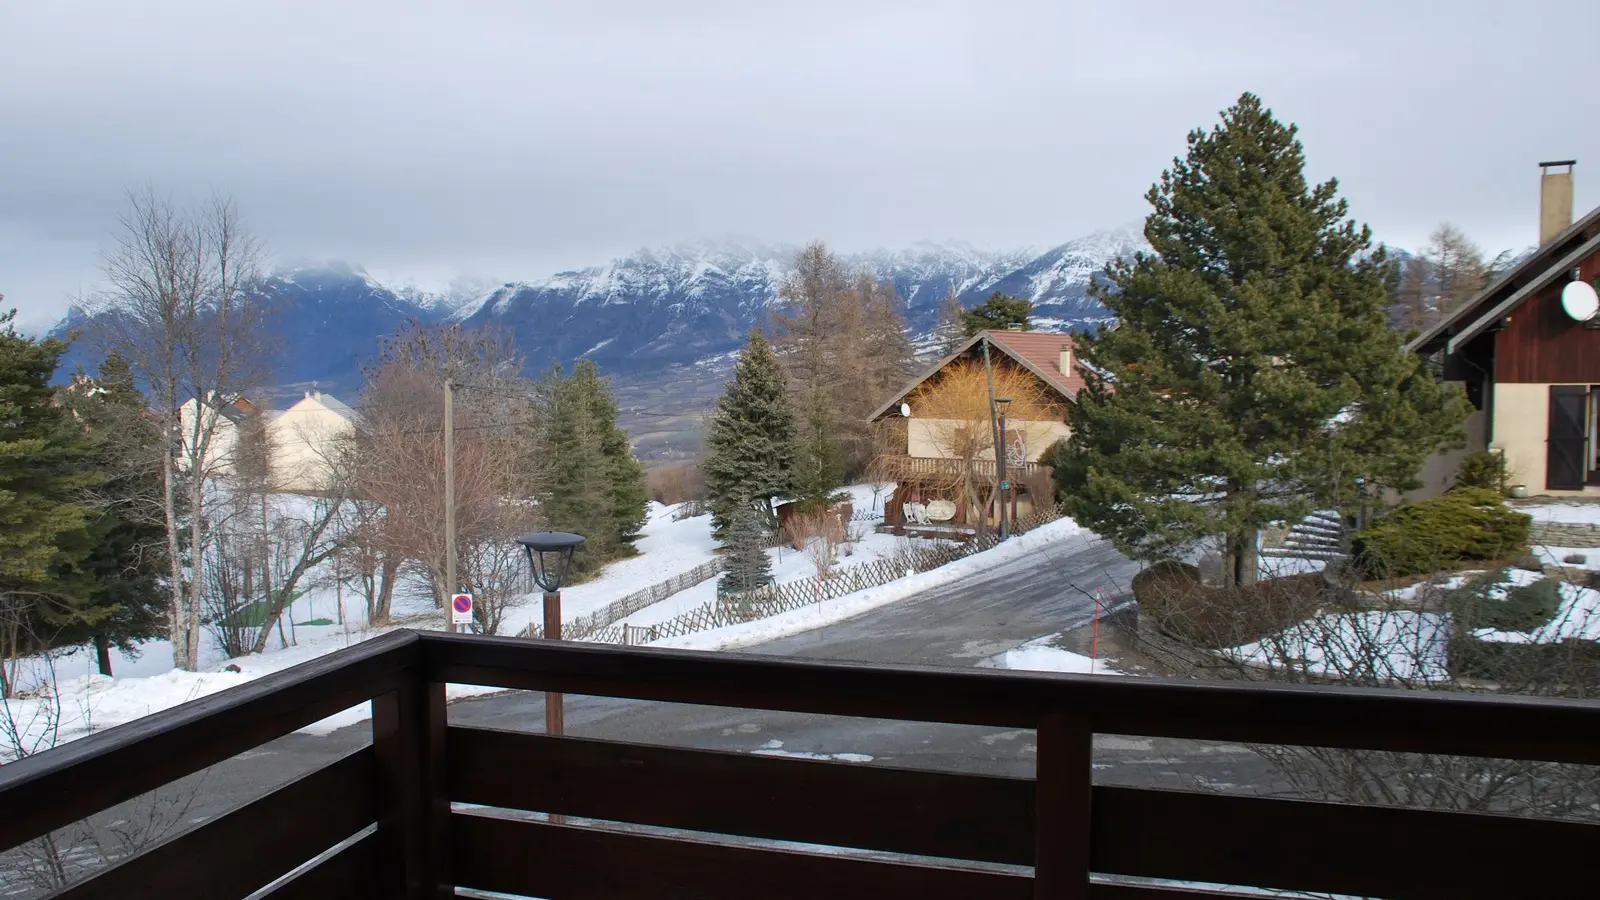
1094	641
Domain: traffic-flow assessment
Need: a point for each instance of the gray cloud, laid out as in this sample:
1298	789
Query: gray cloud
514	138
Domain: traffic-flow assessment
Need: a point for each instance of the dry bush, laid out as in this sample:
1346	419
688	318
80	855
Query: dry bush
1173	597
818	534
677	483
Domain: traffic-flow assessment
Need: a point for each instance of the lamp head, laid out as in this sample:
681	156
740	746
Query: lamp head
550	556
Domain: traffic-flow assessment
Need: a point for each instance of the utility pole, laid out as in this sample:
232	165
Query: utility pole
449	497
994	428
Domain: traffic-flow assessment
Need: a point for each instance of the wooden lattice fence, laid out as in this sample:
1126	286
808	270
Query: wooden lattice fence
598	625
775	599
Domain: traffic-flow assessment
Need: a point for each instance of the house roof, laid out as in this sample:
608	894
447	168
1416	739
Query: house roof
1513	288
1037	351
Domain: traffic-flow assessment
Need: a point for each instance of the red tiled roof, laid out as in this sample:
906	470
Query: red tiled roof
1042	351
1039	352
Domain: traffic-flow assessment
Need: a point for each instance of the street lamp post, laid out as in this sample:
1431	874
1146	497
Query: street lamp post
550	557
1000	451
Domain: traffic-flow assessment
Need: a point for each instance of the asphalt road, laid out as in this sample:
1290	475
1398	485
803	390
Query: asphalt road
965	623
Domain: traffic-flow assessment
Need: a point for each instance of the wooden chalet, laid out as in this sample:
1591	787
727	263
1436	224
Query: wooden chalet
939	435
1529	359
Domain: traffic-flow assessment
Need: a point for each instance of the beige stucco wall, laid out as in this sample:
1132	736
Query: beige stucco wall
1440	469
930	438
305	440
1521	427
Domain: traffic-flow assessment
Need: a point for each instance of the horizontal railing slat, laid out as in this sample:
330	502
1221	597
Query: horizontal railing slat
1536	728
350	874
539	859
972	817
52	789
1376	851
237	854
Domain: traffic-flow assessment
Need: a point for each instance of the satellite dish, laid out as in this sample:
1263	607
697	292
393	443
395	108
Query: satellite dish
905	408
1580	301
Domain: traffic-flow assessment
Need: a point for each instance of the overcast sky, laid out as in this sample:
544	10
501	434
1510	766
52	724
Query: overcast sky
513	138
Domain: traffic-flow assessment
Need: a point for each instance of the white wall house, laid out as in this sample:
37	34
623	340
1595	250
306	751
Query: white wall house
305	440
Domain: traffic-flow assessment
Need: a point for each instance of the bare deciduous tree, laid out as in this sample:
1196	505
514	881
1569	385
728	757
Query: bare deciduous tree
183	310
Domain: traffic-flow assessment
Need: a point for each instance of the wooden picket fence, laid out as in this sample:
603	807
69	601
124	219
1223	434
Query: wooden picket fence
601	624
775	599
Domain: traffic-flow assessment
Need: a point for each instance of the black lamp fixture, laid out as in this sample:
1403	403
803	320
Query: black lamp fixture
550	556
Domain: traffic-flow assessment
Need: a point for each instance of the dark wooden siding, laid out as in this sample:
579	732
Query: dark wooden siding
1541	345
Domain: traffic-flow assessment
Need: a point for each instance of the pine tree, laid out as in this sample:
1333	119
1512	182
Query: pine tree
44	468
592	484
750	444
951	332
1252	373
999	313
748	566
818	464
622	475
120	599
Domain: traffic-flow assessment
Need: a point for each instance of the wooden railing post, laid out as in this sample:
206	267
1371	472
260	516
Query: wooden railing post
1063	789
408	738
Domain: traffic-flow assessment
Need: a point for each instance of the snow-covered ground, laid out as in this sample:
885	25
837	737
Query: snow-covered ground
1041	655
1410	646
1562	513
146	681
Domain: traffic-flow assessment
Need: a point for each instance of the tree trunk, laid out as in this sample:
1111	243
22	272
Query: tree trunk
387	571
1243	554
169	508
102	652
191	623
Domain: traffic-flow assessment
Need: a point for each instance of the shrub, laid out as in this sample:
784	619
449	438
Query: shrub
1525	607
1484	470
675	483
1172	596
1460	525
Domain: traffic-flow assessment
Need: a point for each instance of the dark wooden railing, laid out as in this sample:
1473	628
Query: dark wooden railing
1053	836
912	467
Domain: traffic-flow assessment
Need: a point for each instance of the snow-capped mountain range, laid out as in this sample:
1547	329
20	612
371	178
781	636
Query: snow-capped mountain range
642	314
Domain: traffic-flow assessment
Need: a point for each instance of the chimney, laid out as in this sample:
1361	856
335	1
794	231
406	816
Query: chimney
1555	198
1066	359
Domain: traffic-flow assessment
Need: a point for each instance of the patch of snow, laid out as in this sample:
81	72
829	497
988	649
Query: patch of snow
764	750
1397	644
1563	513
1042	656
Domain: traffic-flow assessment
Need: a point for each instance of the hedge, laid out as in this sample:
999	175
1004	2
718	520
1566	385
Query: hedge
1461	525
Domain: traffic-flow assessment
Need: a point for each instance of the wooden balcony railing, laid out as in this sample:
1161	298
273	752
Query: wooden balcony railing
912	467
383	823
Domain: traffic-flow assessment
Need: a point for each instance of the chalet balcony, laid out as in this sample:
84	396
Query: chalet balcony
920	468
430	808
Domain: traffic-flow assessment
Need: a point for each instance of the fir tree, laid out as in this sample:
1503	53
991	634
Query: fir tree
750	444
119	599
818	464
951	332
998	313
594	485
1252	373
748	566
44	468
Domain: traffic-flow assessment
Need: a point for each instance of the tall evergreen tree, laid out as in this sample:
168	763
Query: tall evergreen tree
1252	373
750	444
748	566
119	595
44	468
593	485
998	313
622	475
818	463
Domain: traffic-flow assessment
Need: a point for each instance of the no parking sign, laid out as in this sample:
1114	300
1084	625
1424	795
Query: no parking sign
461	609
